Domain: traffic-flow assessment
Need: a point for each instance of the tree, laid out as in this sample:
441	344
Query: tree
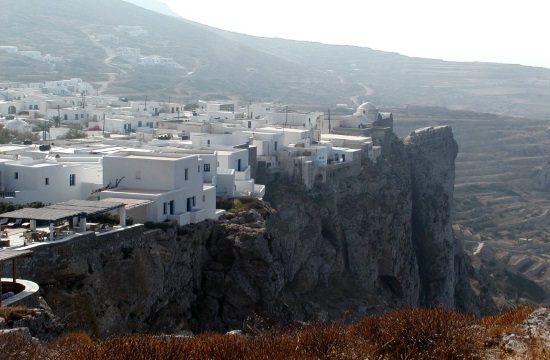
7	136
56	121
73	133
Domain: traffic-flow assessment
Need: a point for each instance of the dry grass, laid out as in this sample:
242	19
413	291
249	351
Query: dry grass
15	313
506	321
400	334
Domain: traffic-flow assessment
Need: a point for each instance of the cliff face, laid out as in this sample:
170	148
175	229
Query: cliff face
377	240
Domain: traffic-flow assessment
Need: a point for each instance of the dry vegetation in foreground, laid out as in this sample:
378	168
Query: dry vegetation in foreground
15	313
399	334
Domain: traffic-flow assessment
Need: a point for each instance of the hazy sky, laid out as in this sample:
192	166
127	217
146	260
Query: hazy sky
482	30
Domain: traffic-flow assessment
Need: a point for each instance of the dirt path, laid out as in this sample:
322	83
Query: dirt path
368	91
110	55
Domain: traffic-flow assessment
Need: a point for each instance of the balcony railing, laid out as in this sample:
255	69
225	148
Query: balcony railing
7	194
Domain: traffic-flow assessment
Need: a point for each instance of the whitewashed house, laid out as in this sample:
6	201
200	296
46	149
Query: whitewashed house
234	175
53	180
170	186
9	49
11	107
33	54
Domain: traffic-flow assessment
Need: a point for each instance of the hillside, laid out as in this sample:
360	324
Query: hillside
212	66
391	79
217	64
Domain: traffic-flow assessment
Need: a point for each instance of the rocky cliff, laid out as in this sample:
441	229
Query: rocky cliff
355	245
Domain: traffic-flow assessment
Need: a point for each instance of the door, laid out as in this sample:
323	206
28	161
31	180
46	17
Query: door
239	165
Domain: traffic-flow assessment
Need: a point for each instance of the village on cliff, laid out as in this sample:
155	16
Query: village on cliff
161	161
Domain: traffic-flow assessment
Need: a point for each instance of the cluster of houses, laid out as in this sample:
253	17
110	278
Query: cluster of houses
133	56
128	56
33	54
167	161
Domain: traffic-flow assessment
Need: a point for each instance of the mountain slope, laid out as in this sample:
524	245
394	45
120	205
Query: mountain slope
394	79
218	64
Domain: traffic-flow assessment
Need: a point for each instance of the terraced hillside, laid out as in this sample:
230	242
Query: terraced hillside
502	195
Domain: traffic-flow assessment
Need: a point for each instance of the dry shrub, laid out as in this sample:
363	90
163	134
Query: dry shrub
400	334
420	334
72	344
506	321
324	341
17	346
15	313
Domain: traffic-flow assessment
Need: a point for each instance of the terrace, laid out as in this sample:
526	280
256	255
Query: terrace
61	219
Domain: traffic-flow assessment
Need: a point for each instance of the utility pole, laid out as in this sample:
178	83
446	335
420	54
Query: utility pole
286	117
329	129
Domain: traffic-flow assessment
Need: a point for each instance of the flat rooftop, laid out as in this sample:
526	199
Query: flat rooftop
157	156
328	137
134	191
282	129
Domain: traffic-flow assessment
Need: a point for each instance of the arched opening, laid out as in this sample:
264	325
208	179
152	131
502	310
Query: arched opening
12	110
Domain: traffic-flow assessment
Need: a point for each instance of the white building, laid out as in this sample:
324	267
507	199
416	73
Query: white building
234	175
170	186
53	180
9	49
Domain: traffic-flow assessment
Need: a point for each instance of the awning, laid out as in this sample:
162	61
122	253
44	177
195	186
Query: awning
65	210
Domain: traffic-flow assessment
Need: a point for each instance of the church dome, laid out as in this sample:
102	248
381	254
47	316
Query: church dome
17	125
367	108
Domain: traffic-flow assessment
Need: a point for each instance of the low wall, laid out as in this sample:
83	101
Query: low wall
28	295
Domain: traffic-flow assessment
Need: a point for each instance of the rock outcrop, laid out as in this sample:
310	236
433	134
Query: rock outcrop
351	246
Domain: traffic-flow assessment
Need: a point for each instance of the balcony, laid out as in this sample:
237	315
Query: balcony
7	194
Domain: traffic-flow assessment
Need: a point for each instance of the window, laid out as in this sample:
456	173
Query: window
65	117
186	174
76	116
47	181
204	198
194	201
199	168
138	174
206	167
164	207
275	146
72	180
16	175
